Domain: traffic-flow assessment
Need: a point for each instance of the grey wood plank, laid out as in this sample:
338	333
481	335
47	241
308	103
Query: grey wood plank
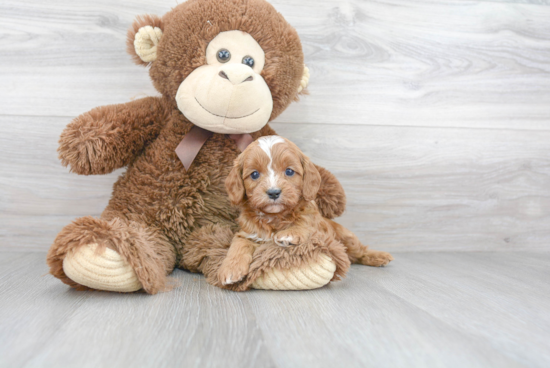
408	188
37	195
424	310
512	312
367	327
530	2
30	305
437	189
390	62
9	257
425	63
43	323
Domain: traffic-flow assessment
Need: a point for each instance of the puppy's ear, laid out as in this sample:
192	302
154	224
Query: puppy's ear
234	184
312	180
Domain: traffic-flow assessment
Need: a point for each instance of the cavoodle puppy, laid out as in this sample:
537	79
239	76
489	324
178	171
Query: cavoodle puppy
275	185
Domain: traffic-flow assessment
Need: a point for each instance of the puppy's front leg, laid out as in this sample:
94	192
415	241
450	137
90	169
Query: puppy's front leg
239	257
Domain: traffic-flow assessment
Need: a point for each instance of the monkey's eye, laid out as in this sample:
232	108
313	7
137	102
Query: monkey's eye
223	55
289	172
255	175
248	60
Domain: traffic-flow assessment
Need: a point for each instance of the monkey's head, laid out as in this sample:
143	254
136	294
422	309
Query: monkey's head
230	66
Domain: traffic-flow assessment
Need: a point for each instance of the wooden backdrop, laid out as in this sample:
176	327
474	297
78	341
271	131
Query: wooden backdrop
435	115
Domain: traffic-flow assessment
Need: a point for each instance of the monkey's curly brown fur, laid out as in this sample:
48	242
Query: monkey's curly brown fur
161	216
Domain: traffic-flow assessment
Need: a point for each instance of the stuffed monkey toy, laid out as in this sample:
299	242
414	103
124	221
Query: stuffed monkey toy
224	69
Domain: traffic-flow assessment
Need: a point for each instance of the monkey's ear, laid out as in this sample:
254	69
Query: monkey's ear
234	184
143	37
305	80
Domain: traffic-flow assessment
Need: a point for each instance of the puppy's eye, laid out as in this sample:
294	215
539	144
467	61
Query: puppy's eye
223	56
248	60
289	172
255	175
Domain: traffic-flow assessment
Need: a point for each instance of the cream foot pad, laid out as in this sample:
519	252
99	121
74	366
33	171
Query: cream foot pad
107	271
312	276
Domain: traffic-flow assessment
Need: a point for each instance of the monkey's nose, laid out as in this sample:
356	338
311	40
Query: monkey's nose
273	193
237	73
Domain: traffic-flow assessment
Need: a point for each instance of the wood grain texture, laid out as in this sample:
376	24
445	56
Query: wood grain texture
424	310
415	188
391	62
408	188
433	114
43	323
37	195
530	2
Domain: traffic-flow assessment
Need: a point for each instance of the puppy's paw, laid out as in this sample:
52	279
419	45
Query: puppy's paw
284	241
287	238
376	258
233	272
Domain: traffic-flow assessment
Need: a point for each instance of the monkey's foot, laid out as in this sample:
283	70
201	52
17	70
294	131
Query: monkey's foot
310	276
103	271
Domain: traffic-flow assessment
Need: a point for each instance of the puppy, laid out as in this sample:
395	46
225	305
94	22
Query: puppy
275	186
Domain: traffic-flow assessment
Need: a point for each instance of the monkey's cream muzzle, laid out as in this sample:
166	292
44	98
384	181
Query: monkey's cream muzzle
227	95
226	99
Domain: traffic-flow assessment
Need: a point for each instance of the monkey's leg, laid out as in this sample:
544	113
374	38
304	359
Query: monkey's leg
205	250
114	255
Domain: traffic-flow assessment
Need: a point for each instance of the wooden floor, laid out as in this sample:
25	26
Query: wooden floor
474	309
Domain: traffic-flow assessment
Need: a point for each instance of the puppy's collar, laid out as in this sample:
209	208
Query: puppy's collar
193	141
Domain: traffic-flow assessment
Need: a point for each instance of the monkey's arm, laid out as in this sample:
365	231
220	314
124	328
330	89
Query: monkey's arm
331	197
109	137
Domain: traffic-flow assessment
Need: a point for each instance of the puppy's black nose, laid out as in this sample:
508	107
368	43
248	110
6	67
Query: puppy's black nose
273	193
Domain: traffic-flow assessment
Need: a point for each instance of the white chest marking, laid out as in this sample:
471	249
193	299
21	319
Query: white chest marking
266	144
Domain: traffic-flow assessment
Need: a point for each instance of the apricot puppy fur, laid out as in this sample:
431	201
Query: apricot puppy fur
275	186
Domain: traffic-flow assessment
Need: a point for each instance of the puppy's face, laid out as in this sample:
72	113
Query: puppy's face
272	175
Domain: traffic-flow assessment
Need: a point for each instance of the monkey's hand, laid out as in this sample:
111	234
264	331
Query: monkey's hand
331	198
109	137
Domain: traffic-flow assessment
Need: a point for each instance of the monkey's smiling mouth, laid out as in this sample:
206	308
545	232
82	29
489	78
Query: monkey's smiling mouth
225	117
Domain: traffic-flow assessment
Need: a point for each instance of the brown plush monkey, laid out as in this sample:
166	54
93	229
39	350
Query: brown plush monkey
223	68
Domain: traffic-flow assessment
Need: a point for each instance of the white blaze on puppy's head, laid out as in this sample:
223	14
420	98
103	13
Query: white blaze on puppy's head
266	144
